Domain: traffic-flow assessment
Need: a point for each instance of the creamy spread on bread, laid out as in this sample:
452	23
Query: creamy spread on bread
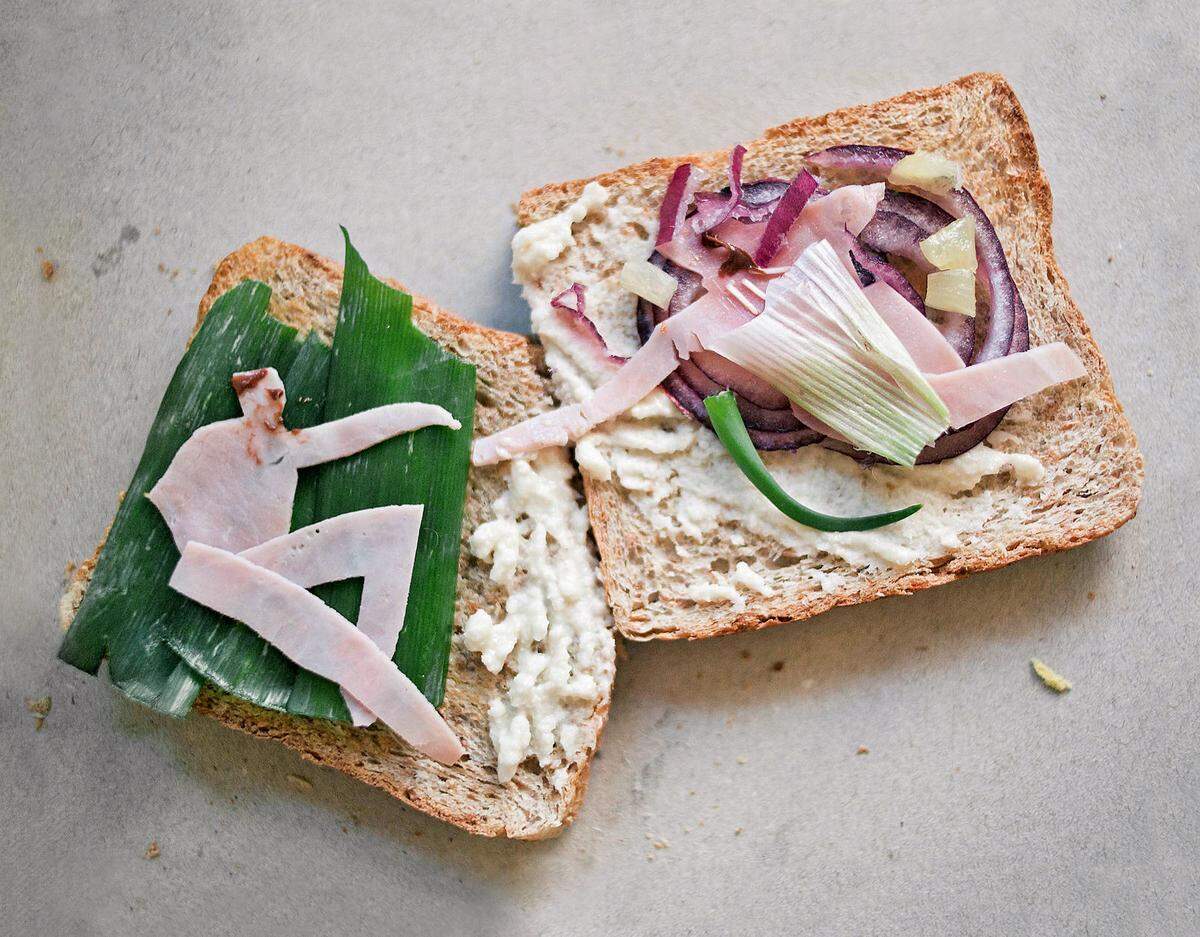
677	473
551	640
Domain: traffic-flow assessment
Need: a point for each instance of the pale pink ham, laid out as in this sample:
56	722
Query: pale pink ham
929	349
315	637
232	484
849	208
687	249
378	545
677	337
974	392
340	438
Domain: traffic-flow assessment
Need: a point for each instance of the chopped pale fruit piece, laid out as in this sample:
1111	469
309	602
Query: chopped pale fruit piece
952	291
953	247
644	279
927	171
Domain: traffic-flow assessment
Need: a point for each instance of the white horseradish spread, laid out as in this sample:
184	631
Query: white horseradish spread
552	638
677	474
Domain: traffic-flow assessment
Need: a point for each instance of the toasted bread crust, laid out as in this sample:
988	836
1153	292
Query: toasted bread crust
978	121
305	289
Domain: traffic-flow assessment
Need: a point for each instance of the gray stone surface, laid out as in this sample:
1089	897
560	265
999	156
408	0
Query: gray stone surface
139	144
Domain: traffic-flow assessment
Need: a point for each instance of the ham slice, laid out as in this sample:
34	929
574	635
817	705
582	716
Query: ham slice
315	637
231	485
974	392
677	337
929	349
378	545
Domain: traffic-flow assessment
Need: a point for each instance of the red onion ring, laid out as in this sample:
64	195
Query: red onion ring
875	163
1008	321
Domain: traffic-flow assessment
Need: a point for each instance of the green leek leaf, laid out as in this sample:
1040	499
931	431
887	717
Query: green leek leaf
381	357
128	605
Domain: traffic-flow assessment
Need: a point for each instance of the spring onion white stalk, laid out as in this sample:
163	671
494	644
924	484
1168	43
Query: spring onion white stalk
821	342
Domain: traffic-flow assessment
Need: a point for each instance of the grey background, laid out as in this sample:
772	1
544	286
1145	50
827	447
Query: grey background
986	805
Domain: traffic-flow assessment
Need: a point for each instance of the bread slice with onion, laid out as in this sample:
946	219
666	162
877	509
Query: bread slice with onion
538	801
686	548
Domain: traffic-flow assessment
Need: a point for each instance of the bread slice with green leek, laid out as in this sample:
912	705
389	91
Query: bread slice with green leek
688	548
512	793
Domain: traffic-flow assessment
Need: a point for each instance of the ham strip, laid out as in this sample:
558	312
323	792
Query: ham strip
379	545
677	337
930	351
315	637
974	392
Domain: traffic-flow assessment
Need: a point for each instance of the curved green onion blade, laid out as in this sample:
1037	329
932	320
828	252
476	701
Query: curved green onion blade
128	604
731	430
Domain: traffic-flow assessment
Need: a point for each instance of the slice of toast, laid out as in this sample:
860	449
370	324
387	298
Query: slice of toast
537	803
669	579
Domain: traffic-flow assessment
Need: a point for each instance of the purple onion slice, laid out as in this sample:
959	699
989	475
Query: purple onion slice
791	203
875	164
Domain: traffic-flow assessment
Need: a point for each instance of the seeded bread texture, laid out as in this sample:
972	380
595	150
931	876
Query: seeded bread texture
1094	470
304	294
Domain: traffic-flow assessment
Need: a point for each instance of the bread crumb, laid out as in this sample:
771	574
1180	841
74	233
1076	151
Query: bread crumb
300	783
47	270
40	708
738	831
1055	681
777	666
1091	596
661	844
152	851
39	250
157	231
863	750
742	759
162	267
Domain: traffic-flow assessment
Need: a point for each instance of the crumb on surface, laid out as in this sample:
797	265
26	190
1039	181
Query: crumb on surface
742	759
300	783
152	851
1055	681
863	750
1091	596
777	666
47	270
40	707
738	831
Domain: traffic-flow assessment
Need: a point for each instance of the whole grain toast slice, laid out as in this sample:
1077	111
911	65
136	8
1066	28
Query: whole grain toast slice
1093	468
305	290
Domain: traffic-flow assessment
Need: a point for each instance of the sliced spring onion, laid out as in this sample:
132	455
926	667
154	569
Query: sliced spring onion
926	171
644	279
952	247
381	357
128	603
227	652
731	430
952	291
821	342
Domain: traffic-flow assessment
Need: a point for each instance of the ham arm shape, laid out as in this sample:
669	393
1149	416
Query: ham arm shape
315	637
379	545
974	392
340	438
